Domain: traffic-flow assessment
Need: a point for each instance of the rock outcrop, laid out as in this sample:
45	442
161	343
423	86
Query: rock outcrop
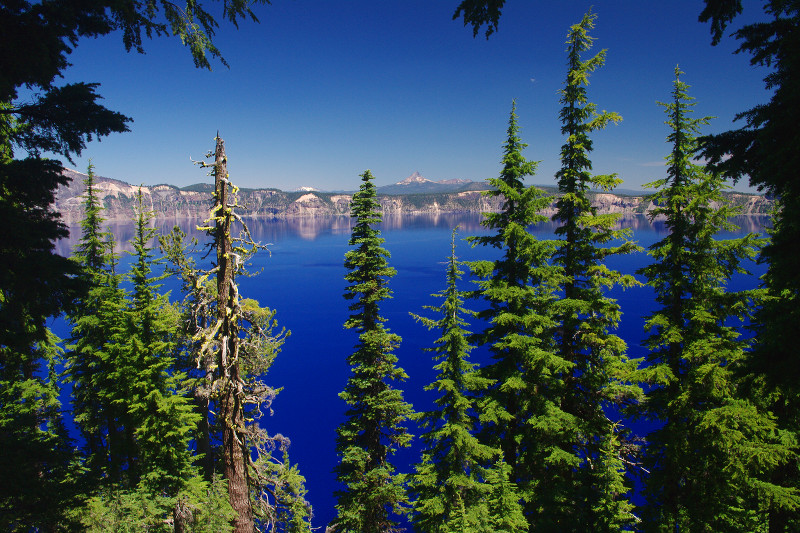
170	202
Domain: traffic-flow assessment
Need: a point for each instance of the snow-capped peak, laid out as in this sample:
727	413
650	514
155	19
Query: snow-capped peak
414	178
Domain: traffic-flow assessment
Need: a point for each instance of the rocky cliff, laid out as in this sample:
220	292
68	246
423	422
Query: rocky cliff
170	202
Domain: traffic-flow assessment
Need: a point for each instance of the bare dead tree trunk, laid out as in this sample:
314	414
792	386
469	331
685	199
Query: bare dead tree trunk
201	407
230	409
181	517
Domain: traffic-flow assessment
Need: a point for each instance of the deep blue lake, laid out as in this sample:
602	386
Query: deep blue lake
303	279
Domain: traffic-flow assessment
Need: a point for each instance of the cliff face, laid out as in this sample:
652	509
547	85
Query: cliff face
118	199
170	202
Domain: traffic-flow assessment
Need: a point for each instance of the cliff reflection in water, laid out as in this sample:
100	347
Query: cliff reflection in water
271	230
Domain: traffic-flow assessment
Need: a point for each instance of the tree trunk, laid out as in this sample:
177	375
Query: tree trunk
230	403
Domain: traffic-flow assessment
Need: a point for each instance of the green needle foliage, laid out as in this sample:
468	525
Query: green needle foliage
520	413
35	282
591	495
98	325
38	463
40	470
460	484
764	149
129	402
373	491
156	401
705	461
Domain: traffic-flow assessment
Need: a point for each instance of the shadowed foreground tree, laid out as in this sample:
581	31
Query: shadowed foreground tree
765	150
707	461
40	471
373	494
460	484
35	284
476	13
36	39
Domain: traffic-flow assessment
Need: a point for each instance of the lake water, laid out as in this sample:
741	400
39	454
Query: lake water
303	279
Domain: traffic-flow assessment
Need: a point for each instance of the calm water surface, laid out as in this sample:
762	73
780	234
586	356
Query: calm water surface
302	278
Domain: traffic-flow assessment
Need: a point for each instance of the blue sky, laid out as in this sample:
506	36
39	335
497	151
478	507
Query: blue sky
319	91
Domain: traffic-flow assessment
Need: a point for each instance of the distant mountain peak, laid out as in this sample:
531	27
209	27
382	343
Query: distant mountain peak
416	177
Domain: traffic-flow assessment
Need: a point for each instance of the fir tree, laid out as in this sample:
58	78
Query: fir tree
706	459
128	399
764	149
35	285
460	484
521	413
373	491
161	414
197	314
592	491
97	325
40	470
35	282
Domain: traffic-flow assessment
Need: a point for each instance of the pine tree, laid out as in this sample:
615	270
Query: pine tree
197	314
705	460
128	400
39	463
521	413
764	149
36	283
460	484
160	413
592	492
40	470
374	429
97	325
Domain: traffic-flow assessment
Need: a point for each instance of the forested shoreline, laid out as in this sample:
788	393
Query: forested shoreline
167	392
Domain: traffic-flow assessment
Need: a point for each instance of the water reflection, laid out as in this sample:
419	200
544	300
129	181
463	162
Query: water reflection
272	230
745	223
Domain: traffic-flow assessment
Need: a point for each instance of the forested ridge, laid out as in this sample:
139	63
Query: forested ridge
168	391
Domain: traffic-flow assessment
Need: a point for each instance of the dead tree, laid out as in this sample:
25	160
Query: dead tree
233	343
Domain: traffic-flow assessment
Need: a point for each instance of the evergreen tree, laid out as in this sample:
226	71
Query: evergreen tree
35	284
765	150
197	314
40	471
200	508
98	396
704	458
592	491
160	413
128	395
374	429
521	412
460	484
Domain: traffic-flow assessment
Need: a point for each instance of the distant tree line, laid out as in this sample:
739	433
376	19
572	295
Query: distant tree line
167	396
